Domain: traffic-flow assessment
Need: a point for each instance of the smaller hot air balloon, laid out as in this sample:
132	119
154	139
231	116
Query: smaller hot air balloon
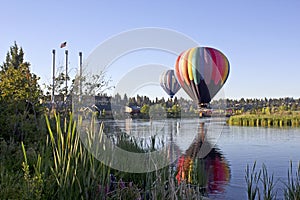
169	82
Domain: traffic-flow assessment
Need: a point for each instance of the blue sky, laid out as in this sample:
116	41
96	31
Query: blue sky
260	38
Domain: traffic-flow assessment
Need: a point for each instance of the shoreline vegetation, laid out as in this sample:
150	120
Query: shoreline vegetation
289	119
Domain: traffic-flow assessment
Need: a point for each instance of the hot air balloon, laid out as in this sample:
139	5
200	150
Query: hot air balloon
169	82
201	72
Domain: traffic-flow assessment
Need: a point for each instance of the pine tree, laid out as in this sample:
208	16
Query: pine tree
19	95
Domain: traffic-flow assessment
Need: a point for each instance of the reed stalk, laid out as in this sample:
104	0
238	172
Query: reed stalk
292	190
252	178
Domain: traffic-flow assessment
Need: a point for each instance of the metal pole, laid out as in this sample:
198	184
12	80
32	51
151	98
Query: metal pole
53	76
80	75
66	52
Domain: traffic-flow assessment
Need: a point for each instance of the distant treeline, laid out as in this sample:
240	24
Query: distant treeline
184	107
242	105
263	106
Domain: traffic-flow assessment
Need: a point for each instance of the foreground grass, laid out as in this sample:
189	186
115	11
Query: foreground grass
261	185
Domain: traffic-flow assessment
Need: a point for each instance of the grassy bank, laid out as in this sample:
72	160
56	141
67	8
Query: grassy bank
271	120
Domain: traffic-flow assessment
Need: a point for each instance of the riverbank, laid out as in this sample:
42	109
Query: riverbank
266	120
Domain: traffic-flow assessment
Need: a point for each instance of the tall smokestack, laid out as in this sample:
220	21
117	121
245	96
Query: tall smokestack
80	75
53	76
66	77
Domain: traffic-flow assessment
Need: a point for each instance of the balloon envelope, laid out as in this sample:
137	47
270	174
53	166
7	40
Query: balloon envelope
201	72
169	83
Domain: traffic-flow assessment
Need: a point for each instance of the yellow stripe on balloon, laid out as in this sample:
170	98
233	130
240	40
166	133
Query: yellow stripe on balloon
190	63
184	67
225	68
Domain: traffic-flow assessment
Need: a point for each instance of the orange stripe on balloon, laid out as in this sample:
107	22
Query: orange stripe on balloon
226	69
177	69
180	66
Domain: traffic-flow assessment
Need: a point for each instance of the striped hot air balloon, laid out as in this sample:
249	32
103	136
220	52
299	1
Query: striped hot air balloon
169	83
201	72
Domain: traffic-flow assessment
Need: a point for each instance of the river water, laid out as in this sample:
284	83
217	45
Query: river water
275	147
227	150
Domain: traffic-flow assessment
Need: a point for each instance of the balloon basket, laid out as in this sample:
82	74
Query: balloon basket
203	110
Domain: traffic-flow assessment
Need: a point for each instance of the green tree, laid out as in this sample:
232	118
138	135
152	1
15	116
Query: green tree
176	110
267	110
157	111
19	96
145	109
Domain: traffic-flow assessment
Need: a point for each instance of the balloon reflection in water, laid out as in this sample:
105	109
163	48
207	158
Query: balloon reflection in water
212	172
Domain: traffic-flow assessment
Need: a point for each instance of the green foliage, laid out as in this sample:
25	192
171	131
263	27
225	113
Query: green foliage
260	185
19	97
145	109
10	185
252	178
292	190
157	111
176	110
33	185
267	120
10	173
268	184
17	83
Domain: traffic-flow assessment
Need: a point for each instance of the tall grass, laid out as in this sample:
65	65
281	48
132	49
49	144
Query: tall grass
292	190
252	178
268	183
261	185
77	173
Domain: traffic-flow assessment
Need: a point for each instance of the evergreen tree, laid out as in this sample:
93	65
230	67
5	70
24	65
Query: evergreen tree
19	96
